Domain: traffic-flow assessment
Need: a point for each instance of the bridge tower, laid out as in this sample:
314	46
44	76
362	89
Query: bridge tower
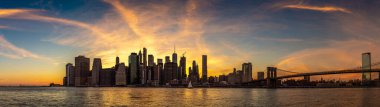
366	65
271	77
306	78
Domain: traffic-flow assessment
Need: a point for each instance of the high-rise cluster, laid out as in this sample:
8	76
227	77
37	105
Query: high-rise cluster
239	76
140	70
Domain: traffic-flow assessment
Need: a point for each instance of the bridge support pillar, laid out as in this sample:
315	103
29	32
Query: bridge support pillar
306	78
271	77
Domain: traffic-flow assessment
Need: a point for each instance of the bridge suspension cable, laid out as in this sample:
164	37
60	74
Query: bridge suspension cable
287	71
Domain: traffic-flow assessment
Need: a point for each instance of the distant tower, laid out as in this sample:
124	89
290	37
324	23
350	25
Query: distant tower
96	68
144	57
182	64
174	56
167	59
150	60
204	68
140	57
117	60
247	72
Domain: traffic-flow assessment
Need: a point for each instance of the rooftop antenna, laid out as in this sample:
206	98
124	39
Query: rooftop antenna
174	48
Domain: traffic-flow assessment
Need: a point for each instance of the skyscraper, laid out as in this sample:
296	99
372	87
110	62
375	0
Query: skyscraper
194	75
170	72
167	59
133	68
260	75
144	57
204	68
82	71
107	77
70	75
174	57
140	57
120	76
117	63
366	65
160	67
150	60
117	60
247	72
96	68
183	67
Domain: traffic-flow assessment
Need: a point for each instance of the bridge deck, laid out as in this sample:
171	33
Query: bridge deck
323	73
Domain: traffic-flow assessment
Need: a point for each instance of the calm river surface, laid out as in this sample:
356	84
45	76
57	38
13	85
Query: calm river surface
65	96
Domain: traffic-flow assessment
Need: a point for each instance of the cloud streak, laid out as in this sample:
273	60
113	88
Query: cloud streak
9	50
317	8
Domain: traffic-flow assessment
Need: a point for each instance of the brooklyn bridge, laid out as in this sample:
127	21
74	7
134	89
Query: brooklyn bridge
272	78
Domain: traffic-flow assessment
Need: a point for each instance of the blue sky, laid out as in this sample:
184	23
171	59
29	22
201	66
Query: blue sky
38	37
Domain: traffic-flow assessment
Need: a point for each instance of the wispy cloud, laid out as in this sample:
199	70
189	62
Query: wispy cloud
278	39
317	8
5	27
9	50
10	12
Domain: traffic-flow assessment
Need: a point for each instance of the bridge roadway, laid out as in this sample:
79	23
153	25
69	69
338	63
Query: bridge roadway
322	73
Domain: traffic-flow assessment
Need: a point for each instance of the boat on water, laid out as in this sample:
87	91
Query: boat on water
189	85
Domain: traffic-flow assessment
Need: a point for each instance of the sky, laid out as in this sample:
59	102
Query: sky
38	37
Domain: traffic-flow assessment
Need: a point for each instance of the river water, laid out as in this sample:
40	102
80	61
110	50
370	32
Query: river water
220	97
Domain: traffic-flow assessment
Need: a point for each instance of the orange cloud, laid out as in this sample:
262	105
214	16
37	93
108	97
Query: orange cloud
318	8
10	12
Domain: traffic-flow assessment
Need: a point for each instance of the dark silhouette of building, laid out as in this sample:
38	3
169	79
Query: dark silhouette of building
260	75
204	68
174	57
96	68
194	74
117	63
120	76
150	60
70	75
161	72
167	59
82	71
133	68
145	57
182	67
107	77
170	70
247	72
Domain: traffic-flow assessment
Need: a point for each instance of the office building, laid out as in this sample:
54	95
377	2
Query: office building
167	59
82	71
107	77
204	68
150	60
96	68
133	68
247	72
260	75
182	67
120	76
70	75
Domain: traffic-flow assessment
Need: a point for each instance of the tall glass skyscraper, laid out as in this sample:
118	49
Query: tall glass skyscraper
133	66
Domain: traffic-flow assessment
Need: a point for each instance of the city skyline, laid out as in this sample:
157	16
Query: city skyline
38	38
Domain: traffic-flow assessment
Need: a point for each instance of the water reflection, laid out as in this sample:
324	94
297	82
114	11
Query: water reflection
114	96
